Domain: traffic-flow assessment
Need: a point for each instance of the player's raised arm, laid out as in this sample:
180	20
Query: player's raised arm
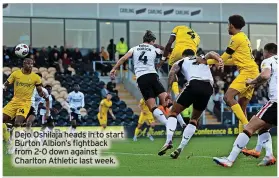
169	44
121	61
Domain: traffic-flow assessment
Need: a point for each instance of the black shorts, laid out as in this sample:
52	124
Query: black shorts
196	92
150	86
75	116
268	113
31	112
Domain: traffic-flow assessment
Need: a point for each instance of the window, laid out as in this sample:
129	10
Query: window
166	29
47	32
225	37
209	34
138	29
16	30
261	34
81	33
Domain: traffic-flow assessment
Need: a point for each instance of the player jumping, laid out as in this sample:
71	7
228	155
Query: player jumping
197	92
239	52
24	81
184	38
148	81
265	118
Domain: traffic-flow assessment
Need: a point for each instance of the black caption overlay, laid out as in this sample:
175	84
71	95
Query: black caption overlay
38	149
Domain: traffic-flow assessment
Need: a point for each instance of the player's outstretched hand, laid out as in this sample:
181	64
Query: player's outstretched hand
221	65
112	74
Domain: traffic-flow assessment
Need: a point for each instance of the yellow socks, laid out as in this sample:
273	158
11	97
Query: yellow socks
6	133
137	131
239	114
175	88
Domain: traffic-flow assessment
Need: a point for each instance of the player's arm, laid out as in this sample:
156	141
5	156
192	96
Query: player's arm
111	113
47	107
263	77
100	108
170	42
9	81
212	55
123	59
172	74
82	101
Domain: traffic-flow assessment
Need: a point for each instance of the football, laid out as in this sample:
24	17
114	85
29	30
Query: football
21	50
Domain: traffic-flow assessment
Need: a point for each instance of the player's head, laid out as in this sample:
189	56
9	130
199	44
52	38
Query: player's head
76	87
188	52
236	23
149	37
48	88
109	96
28	64
40	75
270	49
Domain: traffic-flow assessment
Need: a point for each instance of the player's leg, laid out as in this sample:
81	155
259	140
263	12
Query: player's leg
264	119
175	56
243	102
237	87
73	118
138	128
151	123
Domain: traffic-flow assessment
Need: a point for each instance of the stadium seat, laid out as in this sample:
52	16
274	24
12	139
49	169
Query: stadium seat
15	68
42	69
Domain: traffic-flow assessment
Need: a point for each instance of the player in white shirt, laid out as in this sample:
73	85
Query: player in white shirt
197	92
76	102
265	118
47	120
144	56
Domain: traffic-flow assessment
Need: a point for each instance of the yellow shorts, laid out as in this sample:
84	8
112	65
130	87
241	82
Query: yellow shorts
176	54
148	119
239	84
17	108
104	119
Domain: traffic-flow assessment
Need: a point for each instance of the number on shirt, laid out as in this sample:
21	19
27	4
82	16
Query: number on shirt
21	111
251	52
192	34
143	58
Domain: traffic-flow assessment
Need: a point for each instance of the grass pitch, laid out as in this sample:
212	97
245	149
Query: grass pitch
140	159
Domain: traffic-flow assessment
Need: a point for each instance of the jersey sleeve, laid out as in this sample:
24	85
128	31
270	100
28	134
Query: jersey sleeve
174	31
11	78
46	93
102	103
131	50
234	44
38	80
265	64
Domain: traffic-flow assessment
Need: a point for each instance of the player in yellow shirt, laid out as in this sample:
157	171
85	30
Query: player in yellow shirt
104	108
239	52
147	117
24	81
185	39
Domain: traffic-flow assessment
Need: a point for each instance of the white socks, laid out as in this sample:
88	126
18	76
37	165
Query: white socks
72	130
159	115
187	134
180	120
171	126
259	145
240	143
266	141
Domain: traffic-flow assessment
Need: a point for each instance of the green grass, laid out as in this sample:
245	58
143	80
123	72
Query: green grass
140	159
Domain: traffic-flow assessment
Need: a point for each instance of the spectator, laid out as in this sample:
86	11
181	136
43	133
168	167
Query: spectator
54	62
104	91
65	50
39	60
87	67
111	50
122	49
44	54
106	67
111	87
6	51
77	56
52	51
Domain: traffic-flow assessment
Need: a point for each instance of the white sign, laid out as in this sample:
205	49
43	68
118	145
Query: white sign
164	12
